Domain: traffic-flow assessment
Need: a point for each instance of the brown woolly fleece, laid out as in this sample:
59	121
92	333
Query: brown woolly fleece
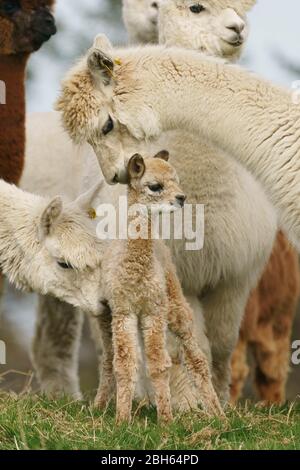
23	29
267	326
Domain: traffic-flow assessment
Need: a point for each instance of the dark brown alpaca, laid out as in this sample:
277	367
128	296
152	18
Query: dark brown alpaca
24	26
267	327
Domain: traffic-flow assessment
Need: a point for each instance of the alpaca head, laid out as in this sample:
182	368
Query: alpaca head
154	183
56	250
140	18
108	104
214	27
25	25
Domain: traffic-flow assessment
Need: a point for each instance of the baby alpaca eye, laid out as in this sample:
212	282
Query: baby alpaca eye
155	188
108	127
10	7
197	8
64	265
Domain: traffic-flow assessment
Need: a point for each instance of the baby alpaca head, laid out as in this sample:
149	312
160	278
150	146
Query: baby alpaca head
154	183
214	27
140	18
25	25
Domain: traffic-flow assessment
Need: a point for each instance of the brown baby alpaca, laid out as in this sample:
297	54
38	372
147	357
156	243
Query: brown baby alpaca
143	293
267	327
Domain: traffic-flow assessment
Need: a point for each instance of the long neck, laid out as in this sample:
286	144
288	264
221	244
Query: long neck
139	243
12	117
255	122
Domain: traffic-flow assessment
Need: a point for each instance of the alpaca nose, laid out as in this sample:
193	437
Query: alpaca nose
154	5
44	24
237	28
121	177
181	198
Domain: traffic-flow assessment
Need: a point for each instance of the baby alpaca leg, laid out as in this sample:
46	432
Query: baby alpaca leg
125	337
158	361
56	347
180	321
107	378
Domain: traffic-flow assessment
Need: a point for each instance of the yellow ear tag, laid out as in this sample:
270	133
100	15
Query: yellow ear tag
118	61
92	213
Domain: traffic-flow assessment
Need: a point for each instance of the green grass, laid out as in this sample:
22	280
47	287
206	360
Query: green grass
29	422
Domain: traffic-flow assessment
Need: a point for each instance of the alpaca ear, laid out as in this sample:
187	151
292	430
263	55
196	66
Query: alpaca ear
163	155
99	60
136	167
49	217
85	201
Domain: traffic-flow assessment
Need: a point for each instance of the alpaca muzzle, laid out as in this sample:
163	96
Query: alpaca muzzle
43	26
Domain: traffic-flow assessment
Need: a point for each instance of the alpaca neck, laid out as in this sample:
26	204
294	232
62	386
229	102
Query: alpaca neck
12	117
142	243
253	121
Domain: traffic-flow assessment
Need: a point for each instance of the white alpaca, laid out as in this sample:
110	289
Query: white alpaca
236	247
255	121
40	249
140	18
230	253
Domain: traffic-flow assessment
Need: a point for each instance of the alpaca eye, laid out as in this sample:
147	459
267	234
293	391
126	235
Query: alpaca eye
10	7
108	127
156	188
197	8
64	265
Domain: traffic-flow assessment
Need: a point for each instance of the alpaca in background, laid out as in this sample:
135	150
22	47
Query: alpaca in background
24	27
267	327
141	18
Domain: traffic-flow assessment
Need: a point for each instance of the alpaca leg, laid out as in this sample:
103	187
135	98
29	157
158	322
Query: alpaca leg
125	332
56	347
223	311
184	393
272	355
239	370
180	321
158	362
107	378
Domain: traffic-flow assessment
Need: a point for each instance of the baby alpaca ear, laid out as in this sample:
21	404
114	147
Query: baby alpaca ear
163	155
99	60
49	217
136	167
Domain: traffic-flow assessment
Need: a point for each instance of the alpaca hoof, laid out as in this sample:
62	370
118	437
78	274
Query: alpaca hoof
165	419
101	403
123	419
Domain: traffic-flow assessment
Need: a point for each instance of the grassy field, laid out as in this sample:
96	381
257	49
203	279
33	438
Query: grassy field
36	423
